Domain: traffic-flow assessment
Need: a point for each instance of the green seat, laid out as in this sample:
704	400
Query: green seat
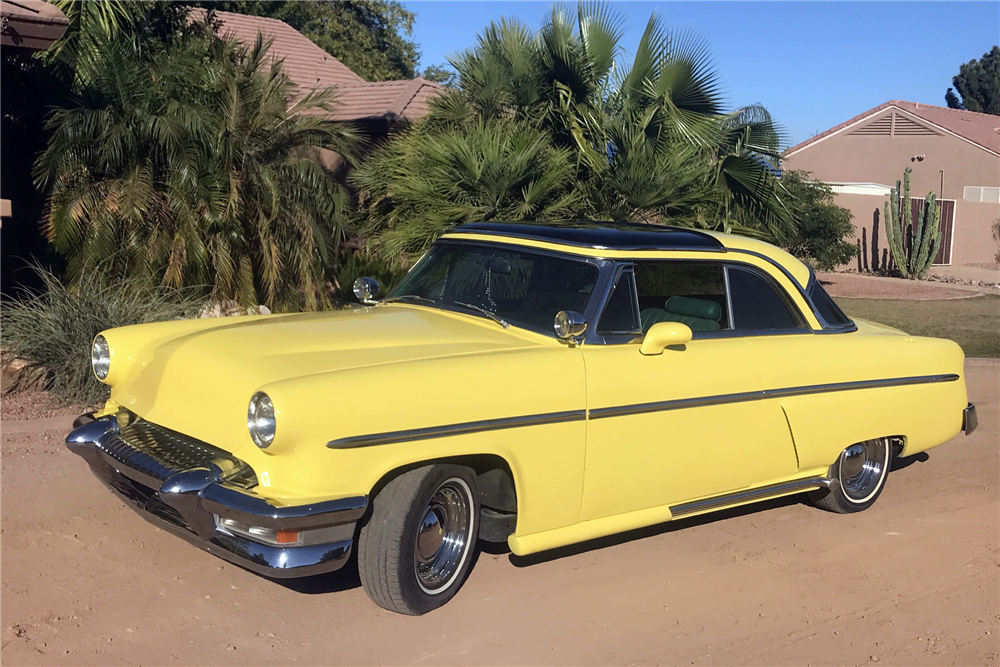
699	314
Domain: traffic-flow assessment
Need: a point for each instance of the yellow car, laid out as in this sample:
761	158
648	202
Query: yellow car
539	385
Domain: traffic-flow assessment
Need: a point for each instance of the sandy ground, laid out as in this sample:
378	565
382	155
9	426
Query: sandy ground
913	581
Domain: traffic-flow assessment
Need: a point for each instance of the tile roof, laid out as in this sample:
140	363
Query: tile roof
31	24
407	99
979	128
309	67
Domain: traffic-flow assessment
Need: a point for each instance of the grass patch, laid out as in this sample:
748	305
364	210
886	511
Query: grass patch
973	323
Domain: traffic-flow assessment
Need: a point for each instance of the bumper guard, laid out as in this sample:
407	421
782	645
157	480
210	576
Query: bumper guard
969	419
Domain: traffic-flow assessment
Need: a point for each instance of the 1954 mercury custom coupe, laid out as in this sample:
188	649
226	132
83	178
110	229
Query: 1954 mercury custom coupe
539	385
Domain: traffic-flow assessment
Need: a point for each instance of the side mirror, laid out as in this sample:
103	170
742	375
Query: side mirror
569	326
664	334
367	290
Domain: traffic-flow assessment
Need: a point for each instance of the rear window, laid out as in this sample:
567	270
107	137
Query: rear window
757	305
828	309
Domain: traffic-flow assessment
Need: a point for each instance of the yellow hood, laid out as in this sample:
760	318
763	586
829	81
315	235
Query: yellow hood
197	377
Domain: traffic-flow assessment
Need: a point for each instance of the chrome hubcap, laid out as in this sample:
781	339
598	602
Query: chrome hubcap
861	468
443	536
430	538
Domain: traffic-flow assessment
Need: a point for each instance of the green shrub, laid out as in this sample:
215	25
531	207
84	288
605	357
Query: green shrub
352	266
821	226
54	329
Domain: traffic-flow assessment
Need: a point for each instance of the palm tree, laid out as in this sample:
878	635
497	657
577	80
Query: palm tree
650	141
186	165
425	182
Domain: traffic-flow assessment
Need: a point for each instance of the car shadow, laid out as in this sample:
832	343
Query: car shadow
347	578
898	463
652	531
344	579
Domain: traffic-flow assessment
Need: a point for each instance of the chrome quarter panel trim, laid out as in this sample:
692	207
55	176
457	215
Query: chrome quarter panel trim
463	428
861	384
748	495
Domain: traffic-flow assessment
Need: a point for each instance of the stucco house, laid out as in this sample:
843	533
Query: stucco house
954	153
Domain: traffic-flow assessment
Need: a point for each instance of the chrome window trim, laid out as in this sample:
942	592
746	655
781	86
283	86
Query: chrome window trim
622	265
626	271
729	300
464	428
813	281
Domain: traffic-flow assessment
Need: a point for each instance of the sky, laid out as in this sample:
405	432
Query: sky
812	64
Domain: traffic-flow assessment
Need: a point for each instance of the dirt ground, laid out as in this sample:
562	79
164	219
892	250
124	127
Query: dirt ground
913	581
876	287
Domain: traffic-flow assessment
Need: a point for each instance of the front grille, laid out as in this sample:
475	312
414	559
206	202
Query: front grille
159	453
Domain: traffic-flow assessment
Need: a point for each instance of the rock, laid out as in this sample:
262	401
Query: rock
19	375
229	308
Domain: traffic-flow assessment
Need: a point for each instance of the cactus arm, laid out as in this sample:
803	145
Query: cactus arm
932	230
894	230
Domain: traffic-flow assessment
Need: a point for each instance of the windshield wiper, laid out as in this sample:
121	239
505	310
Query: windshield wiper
410	297
493	316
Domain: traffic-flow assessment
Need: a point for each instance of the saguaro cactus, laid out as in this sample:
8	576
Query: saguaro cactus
913	246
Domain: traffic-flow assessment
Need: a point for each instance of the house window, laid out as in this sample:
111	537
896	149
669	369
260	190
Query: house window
986	195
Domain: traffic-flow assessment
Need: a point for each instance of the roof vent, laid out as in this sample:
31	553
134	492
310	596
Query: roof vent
906	127
880	127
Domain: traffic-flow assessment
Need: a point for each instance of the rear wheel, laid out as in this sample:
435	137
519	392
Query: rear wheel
859	476
416	550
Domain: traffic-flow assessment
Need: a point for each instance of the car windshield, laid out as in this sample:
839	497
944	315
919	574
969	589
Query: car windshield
507	285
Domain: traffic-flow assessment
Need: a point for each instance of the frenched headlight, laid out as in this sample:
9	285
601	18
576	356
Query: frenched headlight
100	357
260	419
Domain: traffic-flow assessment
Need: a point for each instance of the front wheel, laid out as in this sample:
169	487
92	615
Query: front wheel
416	550
859	476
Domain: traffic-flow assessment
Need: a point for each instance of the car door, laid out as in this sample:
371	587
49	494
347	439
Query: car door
677	426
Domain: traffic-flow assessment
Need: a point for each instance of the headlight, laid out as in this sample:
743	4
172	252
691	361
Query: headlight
100	357
260	420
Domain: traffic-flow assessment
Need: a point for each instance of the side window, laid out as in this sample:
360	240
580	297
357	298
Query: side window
832	313
620	315
757	305
693	293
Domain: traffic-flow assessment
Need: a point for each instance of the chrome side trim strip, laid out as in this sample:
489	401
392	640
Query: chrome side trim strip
457	429
392	437
721	399
663	406
761	493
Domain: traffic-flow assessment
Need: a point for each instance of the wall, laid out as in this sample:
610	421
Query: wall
853	158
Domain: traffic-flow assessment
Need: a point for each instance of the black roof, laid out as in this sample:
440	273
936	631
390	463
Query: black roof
601	235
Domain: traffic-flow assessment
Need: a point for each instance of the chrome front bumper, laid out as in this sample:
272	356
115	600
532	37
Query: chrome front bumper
187	501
